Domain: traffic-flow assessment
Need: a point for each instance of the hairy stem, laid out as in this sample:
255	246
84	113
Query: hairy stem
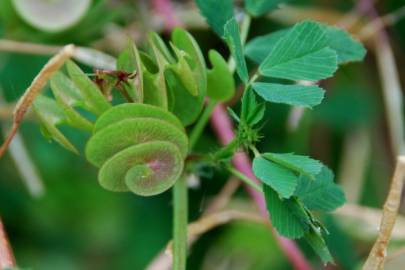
180	220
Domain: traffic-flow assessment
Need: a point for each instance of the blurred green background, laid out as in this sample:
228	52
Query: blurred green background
78	225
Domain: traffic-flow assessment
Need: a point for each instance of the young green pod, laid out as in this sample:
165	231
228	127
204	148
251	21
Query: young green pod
139	148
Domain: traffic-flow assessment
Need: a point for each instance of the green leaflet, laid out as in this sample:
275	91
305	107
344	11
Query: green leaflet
258	48
96	102
297	163
296	95
252	111
347	48
302	54
50	116
260	7
233	39
68	96
320	194
278	177
220	83
316	241
217	13
286	215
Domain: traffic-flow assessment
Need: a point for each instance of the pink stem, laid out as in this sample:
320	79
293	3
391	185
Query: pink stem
7	259
165	9
223	128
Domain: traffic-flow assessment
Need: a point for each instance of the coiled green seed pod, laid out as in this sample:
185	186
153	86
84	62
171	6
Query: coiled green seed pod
139	148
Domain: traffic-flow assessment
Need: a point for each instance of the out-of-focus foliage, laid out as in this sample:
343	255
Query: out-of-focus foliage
78	225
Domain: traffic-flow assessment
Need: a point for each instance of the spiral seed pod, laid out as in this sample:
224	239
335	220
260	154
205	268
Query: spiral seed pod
139	148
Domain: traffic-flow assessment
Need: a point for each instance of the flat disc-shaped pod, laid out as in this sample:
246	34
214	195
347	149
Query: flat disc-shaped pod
145	169
51	16
129	132
135	110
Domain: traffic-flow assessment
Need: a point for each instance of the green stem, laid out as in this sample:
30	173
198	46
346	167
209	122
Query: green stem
202	122
245	179
180	220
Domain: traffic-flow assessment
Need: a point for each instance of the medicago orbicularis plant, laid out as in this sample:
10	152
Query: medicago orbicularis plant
139	141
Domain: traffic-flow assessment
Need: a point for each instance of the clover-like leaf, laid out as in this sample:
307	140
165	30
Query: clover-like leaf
302	54
347	48
220	82
297	95
281	179
258	48
217	13
320	194
286	215
233	39
297	163
261	7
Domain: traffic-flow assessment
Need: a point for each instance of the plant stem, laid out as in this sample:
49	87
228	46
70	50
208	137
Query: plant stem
6	253
252	183
180	220
202	122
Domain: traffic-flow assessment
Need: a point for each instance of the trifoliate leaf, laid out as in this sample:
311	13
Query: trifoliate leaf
97	103
50	116
258	48
302	54
217	13
220	83
261	7
320	194
316	241
296	95
297	163
347	48
233	39
286	215
281	179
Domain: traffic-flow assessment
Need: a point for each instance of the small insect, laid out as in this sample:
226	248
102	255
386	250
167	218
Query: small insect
106	80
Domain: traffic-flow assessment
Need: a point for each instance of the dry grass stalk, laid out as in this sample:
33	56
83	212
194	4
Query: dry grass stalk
39	82
6	253
211	221
376	258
